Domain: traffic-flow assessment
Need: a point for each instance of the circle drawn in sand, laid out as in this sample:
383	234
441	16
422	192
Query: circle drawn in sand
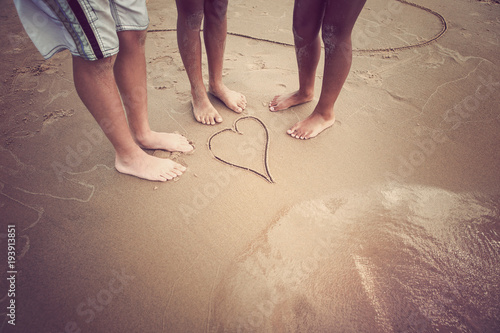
444	28
267	176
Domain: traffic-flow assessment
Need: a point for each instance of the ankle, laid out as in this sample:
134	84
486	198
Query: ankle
128	156
199	93
306	94
200	99
216	86
141	134
143	138
326	113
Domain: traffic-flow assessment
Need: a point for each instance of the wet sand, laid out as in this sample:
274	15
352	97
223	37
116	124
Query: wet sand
386	222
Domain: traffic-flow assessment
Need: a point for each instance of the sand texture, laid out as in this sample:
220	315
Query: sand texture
389	221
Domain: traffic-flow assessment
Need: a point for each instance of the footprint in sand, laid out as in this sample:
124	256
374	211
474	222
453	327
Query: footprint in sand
370	78
257	65
183	97
158	72
52	116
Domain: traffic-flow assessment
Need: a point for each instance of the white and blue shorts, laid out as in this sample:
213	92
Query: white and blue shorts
87	28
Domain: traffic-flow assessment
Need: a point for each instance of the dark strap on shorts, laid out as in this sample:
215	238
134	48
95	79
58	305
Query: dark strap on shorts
87	29
72	16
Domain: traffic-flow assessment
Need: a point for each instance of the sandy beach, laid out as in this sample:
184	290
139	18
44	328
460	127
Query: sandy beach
387	222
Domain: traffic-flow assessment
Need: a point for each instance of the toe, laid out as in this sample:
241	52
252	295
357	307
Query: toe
293	129
309	135
185	147
180	167
296	133
177	172
169	175
275	107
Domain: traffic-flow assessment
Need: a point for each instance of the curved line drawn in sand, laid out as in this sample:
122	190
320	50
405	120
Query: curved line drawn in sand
38	209
444	28
234	129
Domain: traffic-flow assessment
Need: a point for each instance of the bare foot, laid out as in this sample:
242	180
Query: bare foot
311	126
282	102
165	141
204	112
233	100
148	167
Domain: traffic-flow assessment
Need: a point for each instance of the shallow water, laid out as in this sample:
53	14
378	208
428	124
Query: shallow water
392	259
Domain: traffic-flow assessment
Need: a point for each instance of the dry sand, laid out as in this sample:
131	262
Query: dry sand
387	222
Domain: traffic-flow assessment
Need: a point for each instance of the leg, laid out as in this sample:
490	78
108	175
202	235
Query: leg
307	15
189	17
130	76
214	33
95	84
338	22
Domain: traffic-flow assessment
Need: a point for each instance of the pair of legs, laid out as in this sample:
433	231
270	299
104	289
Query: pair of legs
335	19
102	85
190	14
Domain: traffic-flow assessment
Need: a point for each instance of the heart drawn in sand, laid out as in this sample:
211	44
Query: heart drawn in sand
228	132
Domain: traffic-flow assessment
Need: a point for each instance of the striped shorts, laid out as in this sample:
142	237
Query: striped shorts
87	28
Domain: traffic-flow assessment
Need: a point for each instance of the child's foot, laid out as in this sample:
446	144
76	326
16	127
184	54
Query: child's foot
282	102
233	100
204	112
165	141
311	126
148	167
